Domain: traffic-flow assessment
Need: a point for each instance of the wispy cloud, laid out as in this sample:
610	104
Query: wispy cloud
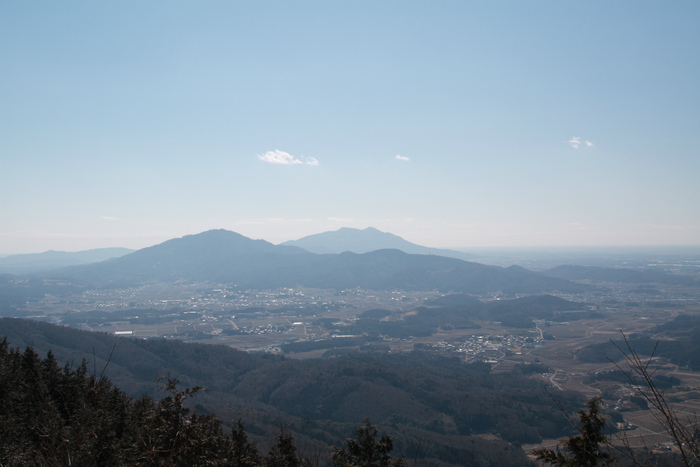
399	157
109	218
284	158
576	142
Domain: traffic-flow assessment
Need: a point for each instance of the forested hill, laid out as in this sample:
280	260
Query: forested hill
132	364
227	257
416	398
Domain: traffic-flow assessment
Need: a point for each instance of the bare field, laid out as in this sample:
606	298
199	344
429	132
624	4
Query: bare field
570	374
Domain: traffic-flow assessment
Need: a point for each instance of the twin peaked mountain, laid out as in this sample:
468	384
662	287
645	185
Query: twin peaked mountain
227	257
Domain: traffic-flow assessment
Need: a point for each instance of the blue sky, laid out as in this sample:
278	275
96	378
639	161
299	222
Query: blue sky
449	123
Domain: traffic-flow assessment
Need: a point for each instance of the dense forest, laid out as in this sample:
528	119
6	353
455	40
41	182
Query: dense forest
53	415
435	408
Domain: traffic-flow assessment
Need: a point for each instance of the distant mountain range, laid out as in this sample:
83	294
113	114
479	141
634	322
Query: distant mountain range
227	257
48	260
365	241
620	275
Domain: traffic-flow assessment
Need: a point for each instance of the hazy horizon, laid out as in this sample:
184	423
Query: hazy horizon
469	249
452	124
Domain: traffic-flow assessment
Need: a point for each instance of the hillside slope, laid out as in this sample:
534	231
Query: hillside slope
415	397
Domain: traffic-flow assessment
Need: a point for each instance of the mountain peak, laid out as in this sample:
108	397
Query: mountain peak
364	241
225	257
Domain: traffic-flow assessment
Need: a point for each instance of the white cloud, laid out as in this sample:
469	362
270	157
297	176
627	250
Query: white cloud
279	157
109	218
399	157
576	142
284	158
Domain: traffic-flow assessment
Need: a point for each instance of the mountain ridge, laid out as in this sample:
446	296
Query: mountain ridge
30	263
364	241
228	257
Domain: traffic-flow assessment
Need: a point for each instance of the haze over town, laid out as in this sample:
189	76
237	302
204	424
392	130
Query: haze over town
458	124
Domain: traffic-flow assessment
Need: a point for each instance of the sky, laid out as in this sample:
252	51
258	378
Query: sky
448	123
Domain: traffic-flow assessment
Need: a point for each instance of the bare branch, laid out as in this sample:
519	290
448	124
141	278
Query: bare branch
641	375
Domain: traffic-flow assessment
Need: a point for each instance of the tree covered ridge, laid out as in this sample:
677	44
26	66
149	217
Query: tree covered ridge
55	416
60	416
457	411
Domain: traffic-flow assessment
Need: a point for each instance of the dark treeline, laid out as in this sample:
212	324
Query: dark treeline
60	415
418	398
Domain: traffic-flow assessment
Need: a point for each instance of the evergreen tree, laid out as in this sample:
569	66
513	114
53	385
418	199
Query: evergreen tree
365	450
284	452
584	449
243	452
62	416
